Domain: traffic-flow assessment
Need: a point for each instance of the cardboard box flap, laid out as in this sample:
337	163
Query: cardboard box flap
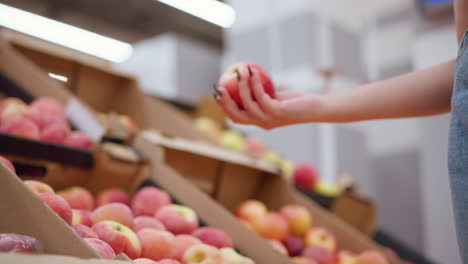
9	258
24	213
209	151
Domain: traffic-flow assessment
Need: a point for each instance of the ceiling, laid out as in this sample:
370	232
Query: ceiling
126	20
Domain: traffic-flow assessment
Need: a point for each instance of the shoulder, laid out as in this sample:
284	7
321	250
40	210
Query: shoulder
461	17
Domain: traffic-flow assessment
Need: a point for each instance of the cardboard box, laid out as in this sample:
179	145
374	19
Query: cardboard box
212	168
236	184
52	259
27	61
61	166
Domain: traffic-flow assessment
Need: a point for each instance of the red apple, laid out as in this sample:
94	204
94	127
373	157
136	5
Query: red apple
213	236
371	257
20	127
347	257
321	255
202	254
121	238
78	139
8	164
178	219
305	176
182	243
48	106
149	200
272	226
78	198
298	217
85	231
169	261
59	205
294	245
229	80
19	243
38	187
101	247
156	244
117	212
112	195
12	108
251	211
320	237
278	247
230	256
81	217
302	260
144	261
141	222
55	133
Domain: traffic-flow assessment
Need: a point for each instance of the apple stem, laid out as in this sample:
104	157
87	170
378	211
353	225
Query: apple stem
238	75
250	71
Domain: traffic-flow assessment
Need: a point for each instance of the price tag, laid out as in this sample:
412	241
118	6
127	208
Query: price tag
84	120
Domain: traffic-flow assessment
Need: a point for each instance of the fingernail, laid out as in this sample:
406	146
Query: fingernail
238	75
250	71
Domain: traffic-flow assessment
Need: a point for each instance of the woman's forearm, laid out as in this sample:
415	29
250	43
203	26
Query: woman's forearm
421	93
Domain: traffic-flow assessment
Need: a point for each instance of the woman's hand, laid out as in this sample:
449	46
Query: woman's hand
288	107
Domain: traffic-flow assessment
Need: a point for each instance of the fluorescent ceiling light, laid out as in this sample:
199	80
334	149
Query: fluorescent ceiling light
58	77
210	10
63	34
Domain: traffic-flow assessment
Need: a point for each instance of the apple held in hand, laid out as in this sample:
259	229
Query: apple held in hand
121	238
243	70
178	219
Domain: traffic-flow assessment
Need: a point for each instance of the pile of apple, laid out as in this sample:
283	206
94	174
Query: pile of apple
292	233
44	119
147	228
